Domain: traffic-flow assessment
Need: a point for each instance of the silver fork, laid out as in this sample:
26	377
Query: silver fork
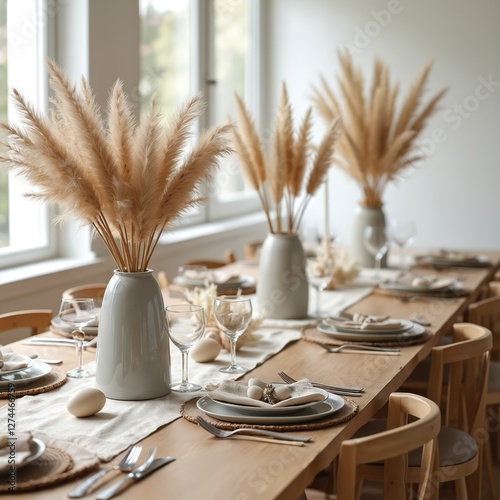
385	350
350	391
249	431
111	491
125	465
424	298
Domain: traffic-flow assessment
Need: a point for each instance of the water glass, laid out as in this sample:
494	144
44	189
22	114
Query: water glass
375	239
233	315
185	326
402	234
319	273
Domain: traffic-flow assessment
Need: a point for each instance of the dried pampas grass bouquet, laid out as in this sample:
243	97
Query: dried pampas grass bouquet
129	179
291	166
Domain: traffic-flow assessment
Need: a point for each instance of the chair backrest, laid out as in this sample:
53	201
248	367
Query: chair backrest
36	320
229	258
91	291
462	393
486	313
392	446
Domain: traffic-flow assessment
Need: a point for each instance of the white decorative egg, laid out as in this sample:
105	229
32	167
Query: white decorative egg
255	392
420	283
86	402
207	349
258	382
282	392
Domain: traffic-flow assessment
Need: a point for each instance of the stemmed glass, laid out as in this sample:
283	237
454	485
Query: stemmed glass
375	239
78	313
319	273
192	274
185	326
403	234
233	315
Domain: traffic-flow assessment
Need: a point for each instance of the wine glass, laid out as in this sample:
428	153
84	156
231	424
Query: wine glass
192	274
233	315
319	273
375	239
185	326
402	234
78	313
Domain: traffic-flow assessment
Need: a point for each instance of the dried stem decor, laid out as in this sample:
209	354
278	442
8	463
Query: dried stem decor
377	142
127	179
279	177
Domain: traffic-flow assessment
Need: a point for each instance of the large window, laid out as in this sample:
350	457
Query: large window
207	45
24	224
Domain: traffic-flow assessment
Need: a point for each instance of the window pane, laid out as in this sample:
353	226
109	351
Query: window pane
165	53
4	187
231	61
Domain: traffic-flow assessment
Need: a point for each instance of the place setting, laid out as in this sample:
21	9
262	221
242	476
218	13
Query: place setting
21	375
362	330
276	406
444	258
199	276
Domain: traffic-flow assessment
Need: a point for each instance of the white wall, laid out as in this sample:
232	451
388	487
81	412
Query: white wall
453	193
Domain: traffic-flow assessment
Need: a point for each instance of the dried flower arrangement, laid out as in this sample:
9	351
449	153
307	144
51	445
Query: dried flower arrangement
127	179
377	143
205	297
290	165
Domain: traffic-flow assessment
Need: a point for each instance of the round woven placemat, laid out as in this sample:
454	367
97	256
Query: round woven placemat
312	334
190	411
54	466
49	382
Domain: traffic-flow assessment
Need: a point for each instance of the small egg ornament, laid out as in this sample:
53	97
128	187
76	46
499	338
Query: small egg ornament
420	283
207	349
258	382
255	392
86	402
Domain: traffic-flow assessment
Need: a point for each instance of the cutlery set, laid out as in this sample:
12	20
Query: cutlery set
62	342
127	465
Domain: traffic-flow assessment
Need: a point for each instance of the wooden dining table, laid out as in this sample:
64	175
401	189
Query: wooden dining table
211	468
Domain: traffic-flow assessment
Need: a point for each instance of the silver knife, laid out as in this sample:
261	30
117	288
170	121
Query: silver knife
132	477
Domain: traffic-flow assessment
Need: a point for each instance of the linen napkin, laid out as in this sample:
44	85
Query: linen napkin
366	322
236	392
9	360
15	452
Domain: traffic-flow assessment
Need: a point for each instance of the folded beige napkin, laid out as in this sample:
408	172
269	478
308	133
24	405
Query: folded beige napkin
9	360
366	322
236	392
16	451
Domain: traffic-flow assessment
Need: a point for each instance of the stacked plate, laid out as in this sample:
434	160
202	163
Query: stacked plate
61	327
36	450
223	283
407	330
457	259
24	376
230	412
408	286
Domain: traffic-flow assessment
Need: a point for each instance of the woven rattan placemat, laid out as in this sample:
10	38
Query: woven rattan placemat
190	411
312	334
54	466
49	382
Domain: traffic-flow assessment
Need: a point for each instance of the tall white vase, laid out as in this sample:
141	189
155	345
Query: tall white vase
365	216
133	356
282	289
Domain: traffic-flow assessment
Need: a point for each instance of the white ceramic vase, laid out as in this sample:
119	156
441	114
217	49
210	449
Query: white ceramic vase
363	217
133	356
282	289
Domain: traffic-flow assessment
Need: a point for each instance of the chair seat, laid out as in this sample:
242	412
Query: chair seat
455	446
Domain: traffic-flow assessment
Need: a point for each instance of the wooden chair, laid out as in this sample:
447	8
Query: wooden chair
392	447
36	320
91	291
486	313
459	375
229	258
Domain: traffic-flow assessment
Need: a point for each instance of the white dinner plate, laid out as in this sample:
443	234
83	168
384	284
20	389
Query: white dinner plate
415	332
261	410
319	410
26	376
59	325
238	281
29	362
435	286
37	448
405	325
